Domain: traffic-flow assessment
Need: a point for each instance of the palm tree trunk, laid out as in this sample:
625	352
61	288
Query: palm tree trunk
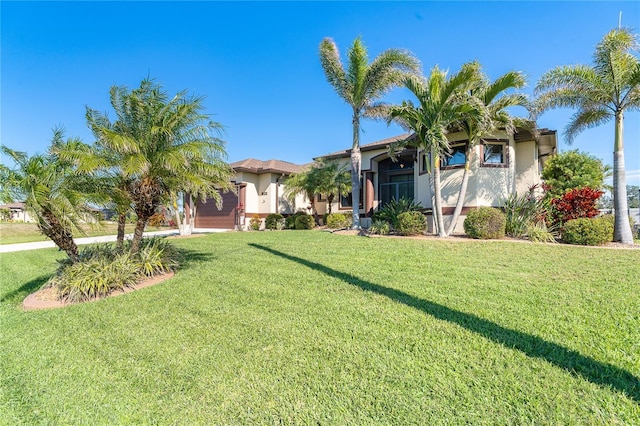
356	165
141	223
62	237
438	196
622	227
462	194
330	198
122	220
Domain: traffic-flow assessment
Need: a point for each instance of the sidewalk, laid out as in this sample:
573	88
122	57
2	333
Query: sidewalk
7	248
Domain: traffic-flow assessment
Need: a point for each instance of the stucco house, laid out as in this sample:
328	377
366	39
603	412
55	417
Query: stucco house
501	165
17	212
259	191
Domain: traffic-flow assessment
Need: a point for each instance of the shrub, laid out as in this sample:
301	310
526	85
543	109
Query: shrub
157	256
572	169
304	222
390	211
290	221
485	223
379	227
274	221
576	203
255	222
339	220
411	223
588	231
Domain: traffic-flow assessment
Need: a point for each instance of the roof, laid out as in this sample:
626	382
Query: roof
270	166
521	135
13	206
370	146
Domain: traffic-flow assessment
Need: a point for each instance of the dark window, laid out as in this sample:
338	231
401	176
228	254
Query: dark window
425	162
456	156
346	200
396	179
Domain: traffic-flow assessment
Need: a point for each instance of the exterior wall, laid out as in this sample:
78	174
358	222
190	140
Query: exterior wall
487	185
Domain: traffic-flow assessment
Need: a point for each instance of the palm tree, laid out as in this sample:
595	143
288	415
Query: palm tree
600	92
52	193
304	182
479	124
442	103
360	85
333	179
163	146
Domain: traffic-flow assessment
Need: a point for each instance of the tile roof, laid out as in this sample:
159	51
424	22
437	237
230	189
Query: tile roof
13	206
270	166
370	146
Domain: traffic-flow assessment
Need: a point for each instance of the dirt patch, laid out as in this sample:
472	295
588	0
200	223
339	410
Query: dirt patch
47	298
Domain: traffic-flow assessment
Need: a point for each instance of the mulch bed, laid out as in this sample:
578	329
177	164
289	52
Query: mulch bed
47	298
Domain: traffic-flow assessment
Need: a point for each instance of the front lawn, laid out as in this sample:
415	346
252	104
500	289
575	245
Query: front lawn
282	327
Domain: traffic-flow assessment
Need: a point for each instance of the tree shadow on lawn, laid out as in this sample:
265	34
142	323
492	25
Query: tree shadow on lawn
533	346
25	289
193	257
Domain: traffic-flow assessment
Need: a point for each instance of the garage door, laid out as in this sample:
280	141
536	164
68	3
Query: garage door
208	215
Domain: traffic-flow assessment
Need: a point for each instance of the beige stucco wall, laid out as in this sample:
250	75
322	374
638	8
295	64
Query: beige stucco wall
526	173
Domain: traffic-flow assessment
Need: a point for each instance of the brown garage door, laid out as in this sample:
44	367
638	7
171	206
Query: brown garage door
208	215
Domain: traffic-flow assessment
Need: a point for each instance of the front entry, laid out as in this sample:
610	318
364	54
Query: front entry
396	179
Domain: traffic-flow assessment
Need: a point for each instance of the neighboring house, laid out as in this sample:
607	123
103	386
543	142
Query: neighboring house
259	191
17	212
501	165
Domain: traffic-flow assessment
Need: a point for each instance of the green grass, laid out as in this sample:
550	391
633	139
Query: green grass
281	327
19	232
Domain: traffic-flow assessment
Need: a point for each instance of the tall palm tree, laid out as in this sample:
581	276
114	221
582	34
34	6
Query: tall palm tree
600	92
54	196
360	85
163	145
492	97
443	101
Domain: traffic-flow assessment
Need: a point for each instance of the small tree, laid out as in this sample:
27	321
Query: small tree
570	170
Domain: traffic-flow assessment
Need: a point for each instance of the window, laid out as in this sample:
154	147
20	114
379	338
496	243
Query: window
494	153
425	162
456	156
321	198
346	200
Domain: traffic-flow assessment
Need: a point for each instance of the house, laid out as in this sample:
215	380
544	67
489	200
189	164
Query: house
17	212
501	165
259	192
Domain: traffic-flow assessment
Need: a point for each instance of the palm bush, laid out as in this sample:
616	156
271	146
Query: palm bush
104	268
522	212
390	211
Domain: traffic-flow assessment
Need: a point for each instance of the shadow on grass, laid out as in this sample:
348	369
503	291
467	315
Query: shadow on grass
25	289
193	257
533	346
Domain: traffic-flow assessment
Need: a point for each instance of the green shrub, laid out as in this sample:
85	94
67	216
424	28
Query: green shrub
274	221
379	227
391	210
290	221
157	256
588	231
485	223
612	219
411	223
339	220
304	222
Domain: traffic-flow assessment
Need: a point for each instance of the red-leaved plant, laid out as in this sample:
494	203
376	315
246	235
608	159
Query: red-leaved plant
575	204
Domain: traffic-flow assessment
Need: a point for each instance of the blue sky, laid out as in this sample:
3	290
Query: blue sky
257	63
